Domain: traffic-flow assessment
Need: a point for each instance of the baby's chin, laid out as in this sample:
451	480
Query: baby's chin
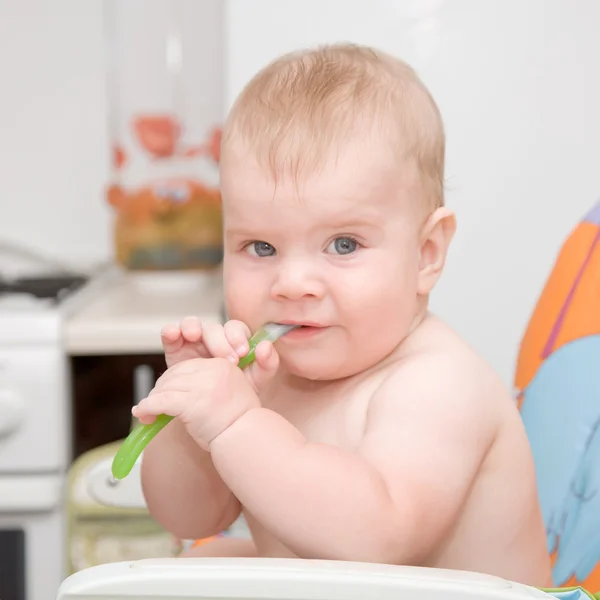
317	367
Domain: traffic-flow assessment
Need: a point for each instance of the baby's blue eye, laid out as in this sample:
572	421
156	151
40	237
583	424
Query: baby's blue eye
261	249
343	245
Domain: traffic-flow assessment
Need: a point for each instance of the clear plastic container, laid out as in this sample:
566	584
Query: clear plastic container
165	109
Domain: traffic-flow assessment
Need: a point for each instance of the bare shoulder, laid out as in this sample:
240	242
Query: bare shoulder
440	378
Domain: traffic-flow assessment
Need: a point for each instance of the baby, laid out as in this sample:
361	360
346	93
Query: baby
373	433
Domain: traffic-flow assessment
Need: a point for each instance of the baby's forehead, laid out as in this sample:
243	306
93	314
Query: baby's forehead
352	175
313	205
319	197
281	219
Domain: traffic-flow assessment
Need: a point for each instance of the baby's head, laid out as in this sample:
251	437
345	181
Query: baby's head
332	178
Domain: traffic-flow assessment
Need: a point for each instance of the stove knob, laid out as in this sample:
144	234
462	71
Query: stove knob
11	412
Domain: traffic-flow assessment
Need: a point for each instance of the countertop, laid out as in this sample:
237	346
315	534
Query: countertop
122	313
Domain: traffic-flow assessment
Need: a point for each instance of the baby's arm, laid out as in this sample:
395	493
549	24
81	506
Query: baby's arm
184	492
394	499
182	488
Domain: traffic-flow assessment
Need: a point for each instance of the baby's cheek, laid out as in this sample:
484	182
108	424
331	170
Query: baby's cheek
365	293
242	298
381	303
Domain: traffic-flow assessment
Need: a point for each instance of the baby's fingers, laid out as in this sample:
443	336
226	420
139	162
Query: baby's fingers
168	402
191	329
217	343
237	334
265	365
171	338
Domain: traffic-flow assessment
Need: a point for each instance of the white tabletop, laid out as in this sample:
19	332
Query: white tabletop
125	312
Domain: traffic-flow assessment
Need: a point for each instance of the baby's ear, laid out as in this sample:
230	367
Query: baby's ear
436	236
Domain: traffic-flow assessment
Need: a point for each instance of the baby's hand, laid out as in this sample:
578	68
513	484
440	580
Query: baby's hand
207	395
191	340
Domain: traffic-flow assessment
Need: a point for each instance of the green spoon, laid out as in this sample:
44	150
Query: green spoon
142	435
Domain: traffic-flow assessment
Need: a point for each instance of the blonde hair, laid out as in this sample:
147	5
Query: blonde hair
297	108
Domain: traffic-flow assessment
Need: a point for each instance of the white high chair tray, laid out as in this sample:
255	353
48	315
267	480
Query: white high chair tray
282	579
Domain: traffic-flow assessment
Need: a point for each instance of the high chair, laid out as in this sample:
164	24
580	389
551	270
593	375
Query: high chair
288	579
557	383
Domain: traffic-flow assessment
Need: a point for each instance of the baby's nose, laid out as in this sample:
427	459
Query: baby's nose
296	280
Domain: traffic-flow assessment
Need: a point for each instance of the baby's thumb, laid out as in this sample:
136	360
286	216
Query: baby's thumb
265	365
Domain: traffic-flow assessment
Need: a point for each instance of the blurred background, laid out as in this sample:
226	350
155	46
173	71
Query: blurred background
110	116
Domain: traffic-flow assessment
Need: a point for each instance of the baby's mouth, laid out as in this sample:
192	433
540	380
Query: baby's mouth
304	328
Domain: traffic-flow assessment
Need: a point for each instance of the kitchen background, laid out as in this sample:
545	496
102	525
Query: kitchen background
514	81
518	89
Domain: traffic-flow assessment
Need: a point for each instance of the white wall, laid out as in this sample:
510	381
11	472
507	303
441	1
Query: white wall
53	140
517	85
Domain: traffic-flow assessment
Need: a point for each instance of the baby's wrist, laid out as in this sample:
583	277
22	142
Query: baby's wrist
243	401
228	434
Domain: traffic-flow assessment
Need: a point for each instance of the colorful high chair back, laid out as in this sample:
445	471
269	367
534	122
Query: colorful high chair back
558	382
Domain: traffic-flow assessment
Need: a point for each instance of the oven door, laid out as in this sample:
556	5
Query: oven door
12	564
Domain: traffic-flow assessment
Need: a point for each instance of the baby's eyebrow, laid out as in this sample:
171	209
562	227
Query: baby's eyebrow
249	233
236	231
350	223
329	225
346	223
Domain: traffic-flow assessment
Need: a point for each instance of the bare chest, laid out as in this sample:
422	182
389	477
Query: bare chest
334	415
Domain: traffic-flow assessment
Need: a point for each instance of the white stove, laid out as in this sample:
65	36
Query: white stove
45	321
35	448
